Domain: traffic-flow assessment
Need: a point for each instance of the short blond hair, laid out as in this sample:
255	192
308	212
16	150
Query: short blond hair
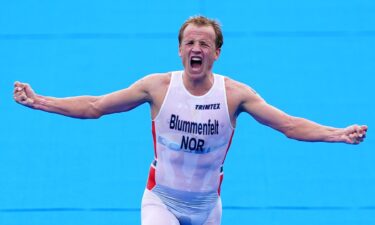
203	21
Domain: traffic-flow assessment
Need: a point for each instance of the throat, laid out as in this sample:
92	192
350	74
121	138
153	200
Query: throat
198	86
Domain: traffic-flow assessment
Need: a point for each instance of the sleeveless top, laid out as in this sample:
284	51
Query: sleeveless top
192	135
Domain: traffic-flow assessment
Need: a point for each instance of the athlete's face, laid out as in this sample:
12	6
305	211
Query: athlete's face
198	50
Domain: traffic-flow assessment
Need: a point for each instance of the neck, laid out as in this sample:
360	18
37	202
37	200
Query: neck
200	85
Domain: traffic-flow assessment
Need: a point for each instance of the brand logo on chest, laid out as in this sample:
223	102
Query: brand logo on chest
208	106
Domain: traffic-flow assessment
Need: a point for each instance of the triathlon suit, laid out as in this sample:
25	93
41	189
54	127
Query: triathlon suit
192	135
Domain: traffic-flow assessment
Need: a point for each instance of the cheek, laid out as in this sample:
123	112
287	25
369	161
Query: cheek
182	52
213	55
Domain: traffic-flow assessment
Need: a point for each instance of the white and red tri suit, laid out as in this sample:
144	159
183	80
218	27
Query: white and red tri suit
192	135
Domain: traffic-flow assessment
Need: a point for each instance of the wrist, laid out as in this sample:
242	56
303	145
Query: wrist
41	102
336	135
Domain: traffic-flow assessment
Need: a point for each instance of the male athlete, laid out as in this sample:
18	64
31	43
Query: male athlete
194	114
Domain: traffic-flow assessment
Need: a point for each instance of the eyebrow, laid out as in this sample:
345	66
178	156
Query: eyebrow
201	40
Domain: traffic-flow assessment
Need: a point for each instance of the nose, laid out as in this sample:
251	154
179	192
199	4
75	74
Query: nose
196	48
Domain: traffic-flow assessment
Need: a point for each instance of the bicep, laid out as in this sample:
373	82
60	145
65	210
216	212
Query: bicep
123	100
266	114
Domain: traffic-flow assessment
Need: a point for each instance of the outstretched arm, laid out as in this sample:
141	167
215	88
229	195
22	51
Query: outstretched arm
84	107
295	127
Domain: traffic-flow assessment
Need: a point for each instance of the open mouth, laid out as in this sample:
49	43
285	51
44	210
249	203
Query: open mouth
195	62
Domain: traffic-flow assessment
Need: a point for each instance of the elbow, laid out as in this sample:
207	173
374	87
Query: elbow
88	115
289	134
289	128
293	134
95	116
93	112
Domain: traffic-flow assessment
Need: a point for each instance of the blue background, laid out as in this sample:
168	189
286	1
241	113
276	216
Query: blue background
313	59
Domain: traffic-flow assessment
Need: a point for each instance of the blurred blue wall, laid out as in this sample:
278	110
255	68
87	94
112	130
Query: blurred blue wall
313	59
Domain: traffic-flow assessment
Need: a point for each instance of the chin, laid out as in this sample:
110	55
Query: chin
196	74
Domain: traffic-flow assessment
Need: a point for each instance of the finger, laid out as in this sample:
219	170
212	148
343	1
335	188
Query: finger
351	129
29	91
360	139
17	97
20	97
364	128
353	138
348	139
362	133
18	89
25	102
16	83
360	130
20	93
23	97
356	129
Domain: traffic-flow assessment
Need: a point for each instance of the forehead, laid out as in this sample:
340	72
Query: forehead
201	32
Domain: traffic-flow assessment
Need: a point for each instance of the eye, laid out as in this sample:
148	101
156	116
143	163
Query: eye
204	44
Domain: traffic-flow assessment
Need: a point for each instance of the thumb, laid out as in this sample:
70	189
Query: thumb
29	91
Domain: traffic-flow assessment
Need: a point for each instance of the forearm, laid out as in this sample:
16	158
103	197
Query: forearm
306	130
82	107
298	128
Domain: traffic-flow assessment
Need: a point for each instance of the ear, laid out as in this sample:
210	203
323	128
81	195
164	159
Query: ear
179	50
217	53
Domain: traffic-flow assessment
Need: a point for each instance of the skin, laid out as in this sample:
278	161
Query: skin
197	41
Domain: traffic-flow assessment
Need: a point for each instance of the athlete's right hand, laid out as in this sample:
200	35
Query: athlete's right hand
24	94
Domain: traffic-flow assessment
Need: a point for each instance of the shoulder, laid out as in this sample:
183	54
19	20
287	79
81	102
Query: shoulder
156	86
240	95
157	78
237	88
154	81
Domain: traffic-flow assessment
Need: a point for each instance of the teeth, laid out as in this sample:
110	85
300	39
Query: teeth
196	58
